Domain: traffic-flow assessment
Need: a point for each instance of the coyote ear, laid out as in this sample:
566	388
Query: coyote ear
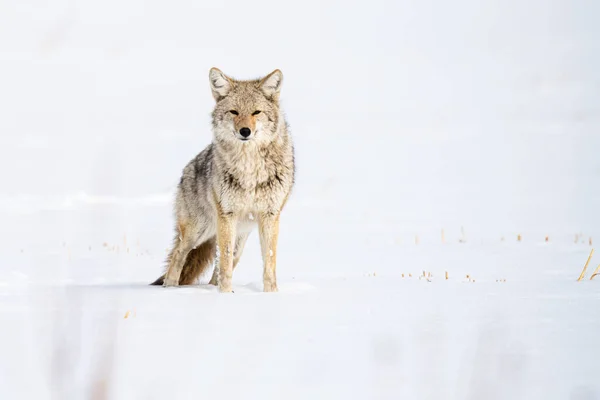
271	84
220	84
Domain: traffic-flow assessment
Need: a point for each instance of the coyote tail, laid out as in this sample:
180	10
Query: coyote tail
196	263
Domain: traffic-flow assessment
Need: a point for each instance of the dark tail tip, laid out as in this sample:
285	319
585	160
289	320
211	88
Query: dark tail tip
159	281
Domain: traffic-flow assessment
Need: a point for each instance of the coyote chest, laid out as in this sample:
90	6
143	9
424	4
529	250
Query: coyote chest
253	181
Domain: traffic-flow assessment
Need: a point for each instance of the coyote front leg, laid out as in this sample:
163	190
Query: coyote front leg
268	226
240	242
226	241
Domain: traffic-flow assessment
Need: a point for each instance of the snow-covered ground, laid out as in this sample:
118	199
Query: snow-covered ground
410	118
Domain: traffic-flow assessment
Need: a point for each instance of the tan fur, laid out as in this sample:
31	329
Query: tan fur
183	245
241	173
225	241
244	121
268	227
237	254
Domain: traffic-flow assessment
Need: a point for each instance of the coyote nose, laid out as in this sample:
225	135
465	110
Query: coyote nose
245	132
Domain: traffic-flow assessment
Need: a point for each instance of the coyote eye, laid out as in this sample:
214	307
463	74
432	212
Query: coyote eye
256	112
234	112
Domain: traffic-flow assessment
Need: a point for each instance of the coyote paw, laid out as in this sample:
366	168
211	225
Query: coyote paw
225	289
170	282
270	287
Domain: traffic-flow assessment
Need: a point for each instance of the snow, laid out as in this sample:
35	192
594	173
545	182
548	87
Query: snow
368	333
432	138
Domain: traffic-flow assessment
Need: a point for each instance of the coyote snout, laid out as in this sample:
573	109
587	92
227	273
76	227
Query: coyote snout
231	180
245	132
245	123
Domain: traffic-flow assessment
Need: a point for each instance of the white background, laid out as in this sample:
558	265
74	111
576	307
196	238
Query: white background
409	117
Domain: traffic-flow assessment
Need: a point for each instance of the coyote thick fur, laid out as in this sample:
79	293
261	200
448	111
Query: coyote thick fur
240	180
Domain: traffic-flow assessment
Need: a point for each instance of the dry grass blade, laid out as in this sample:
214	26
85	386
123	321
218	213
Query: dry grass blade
595	272
585	266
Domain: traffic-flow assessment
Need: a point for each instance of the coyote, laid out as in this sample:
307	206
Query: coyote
240	180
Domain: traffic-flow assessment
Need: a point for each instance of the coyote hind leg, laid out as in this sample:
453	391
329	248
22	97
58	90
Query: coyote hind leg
181	249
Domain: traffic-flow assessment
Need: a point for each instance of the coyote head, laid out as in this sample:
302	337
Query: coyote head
245	111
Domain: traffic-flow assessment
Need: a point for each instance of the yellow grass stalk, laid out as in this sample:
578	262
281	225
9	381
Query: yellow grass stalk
585	266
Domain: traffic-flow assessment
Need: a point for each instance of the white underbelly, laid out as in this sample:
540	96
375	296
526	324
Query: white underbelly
246	225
